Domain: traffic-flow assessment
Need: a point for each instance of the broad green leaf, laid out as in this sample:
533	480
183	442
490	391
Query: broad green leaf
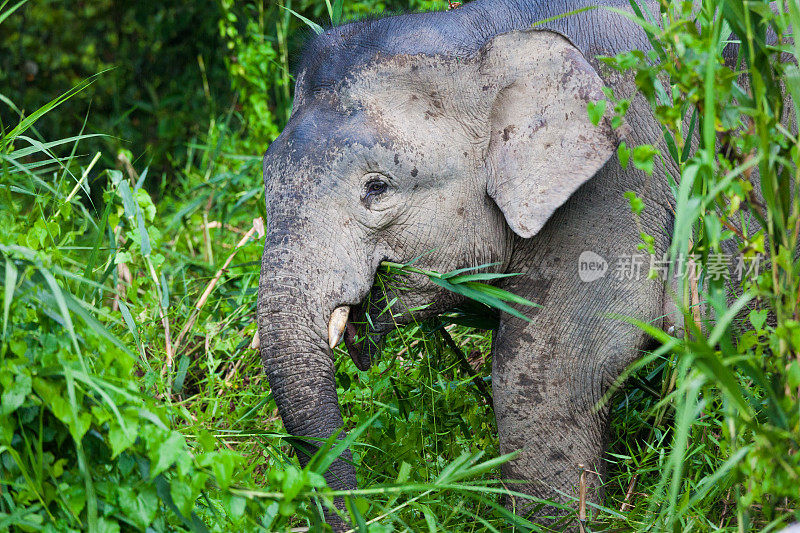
757	318
235	506
223	464
105	525
644	158
139	504
53	397
636	203
75	498
14	396
183	495
120	438
166	453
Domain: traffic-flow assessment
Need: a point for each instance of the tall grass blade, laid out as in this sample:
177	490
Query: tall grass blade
310	23
7	13
10	283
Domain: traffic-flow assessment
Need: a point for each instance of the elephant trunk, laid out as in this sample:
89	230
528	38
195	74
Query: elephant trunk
298	363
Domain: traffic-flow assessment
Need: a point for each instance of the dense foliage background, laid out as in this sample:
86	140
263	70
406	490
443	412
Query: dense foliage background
131	216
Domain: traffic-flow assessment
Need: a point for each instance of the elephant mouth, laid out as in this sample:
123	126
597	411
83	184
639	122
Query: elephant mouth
363	326
363	337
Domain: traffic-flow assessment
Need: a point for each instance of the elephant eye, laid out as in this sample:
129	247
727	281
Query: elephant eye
374	188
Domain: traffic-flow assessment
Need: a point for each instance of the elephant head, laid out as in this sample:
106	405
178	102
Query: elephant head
421	138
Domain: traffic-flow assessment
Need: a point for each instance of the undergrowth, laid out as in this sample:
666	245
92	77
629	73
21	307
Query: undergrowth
133	399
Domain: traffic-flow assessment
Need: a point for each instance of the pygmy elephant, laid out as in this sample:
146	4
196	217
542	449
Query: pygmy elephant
463	137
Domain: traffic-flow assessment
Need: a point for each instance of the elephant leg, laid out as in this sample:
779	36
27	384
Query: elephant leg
549	374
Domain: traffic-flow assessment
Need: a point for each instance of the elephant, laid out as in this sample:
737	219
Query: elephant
462	138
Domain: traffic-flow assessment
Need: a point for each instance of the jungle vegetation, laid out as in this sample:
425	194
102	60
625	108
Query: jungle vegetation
132	207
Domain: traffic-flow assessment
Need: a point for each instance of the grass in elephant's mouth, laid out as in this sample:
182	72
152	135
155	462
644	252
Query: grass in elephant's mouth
468	282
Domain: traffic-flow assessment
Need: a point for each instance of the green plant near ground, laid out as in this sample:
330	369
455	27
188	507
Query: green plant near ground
83	445
178	368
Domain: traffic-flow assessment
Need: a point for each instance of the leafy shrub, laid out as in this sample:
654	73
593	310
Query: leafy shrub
82	444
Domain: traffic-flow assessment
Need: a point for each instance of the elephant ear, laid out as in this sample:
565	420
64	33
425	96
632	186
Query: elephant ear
543	145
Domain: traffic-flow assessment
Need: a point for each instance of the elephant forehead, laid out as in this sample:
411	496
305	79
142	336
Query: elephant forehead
315	141
419	101
322	126
317	157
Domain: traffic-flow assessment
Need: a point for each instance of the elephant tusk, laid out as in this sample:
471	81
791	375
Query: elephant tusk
337	325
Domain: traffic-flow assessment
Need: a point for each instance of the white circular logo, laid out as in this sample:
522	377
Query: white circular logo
591	266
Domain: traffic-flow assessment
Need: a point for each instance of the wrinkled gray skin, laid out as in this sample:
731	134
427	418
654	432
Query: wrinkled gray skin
481	137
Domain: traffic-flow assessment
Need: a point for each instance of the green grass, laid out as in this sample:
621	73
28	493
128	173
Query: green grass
131	397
